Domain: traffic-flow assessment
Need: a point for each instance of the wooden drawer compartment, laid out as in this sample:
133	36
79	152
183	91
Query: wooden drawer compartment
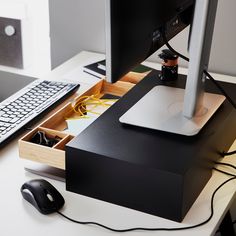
55	126
52	156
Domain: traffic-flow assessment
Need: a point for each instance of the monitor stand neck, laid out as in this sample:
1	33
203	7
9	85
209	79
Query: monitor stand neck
199	51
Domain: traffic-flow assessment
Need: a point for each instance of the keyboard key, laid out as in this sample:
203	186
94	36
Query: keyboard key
14	120
5	119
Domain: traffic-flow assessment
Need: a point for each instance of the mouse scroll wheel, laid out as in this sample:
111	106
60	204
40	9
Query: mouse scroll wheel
49	196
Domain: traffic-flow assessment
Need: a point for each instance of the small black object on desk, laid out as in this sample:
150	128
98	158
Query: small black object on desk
169	69
42	195
41	138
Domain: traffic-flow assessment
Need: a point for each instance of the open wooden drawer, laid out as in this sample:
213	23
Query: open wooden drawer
55	125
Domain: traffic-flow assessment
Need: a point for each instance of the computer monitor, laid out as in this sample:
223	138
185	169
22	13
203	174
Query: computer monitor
134	30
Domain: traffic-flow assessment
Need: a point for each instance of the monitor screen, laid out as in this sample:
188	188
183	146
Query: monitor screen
12	83
133	30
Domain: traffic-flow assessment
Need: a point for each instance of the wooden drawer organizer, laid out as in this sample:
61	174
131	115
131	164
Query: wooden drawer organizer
55	124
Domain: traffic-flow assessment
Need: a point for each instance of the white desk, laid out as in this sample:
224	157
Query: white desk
18	217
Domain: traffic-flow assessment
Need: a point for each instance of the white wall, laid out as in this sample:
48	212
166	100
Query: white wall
76	25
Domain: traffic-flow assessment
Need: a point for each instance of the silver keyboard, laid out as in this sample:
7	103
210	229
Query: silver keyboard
23	106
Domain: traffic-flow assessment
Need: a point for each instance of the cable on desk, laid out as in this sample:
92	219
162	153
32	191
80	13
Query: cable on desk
159	229
223	154
225	164
229	174
223	172
205	72
220	88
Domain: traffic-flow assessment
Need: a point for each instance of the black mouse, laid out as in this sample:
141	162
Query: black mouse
42	195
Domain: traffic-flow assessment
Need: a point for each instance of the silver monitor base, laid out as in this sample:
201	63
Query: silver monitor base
161	109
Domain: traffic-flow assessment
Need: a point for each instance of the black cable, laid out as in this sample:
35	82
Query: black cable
228	153
220	88
158	229
227	173
223	172
172	49
225	164
205	72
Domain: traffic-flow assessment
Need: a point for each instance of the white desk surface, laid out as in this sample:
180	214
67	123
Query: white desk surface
18	217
